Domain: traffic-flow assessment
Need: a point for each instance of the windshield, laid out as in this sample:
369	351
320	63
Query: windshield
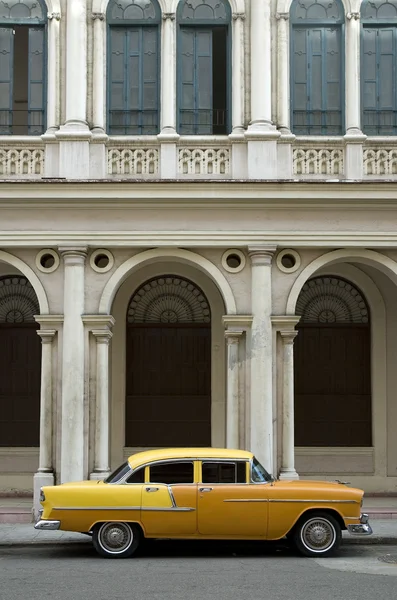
118	473
259	473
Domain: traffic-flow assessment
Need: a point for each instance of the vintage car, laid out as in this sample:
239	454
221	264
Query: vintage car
202	493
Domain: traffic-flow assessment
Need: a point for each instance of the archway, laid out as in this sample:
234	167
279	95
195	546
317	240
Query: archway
20	363
168	364
333	365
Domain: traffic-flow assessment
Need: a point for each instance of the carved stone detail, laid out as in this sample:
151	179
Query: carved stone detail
18	300
204	161
318	161
133	161
22	161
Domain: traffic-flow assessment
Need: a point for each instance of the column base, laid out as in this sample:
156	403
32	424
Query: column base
40	479
288	474
99	475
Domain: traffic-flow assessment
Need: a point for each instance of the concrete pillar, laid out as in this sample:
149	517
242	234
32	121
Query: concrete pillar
288	449
72	443
354	138
261	134
101	457
262	355
232	397
45	474
238	82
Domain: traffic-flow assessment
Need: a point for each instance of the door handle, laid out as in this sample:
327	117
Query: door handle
205	489
152	489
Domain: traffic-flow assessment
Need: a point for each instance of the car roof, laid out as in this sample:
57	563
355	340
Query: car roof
141	458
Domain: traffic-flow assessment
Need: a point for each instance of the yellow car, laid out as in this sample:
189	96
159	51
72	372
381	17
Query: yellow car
202	493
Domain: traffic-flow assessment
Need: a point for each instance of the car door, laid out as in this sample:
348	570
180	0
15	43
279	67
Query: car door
228	503
179	517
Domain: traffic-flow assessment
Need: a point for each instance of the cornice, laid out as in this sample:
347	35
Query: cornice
201	239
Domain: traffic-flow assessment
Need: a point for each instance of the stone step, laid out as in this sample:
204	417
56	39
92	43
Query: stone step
17	514
381	512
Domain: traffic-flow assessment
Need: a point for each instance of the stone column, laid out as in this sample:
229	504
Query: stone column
45	474
238	79
168	136
354	137
72	443
74	135
262	355
101	457
232	398
288	450
283	109
53	99
261	134
98	83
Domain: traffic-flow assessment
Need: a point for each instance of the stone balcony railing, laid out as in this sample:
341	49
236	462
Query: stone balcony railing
148	158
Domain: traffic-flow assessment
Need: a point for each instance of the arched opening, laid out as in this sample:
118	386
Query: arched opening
317	50
20	363
333	365
204	67
168	365
22	67
133	67
379	67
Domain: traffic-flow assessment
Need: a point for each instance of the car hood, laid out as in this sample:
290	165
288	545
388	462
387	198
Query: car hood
333	488
87	483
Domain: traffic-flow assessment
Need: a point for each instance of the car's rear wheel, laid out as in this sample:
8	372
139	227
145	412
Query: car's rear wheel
317	534
116	540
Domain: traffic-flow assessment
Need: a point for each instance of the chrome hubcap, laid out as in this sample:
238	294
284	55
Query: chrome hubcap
318	535
115	537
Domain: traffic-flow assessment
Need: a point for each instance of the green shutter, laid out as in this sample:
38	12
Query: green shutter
6	79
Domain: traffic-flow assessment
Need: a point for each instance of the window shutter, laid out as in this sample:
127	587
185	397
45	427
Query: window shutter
195	81
333	84
6	79
36	90
149	84
369	80
117	75
300	73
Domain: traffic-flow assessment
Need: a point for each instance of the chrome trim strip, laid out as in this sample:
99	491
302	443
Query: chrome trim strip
130	508
47	525
247	500
315	500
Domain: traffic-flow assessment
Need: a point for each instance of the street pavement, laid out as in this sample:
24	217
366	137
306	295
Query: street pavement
384	532
167	570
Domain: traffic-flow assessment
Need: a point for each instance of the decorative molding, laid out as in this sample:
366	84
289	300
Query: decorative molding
380	161
327	300
169	16
238	321
233	336
47	335
282	16
353	16
204	161
318	161
168	299
18	300
54	16
49	322
238	16
285	323
98	16
23	161
133	161
99	322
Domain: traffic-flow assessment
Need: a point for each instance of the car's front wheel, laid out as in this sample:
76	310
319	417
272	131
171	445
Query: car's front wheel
317	534
116	540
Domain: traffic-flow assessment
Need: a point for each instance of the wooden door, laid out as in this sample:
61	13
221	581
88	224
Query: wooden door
20	369
333	385
168	385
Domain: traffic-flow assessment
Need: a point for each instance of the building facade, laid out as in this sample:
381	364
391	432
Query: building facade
198	235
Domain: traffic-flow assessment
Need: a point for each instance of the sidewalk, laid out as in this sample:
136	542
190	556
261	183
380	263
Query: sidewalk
21	534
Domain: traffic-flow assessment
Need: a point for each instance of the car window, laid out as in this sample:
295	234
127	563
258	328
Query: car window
119	473
223	472
137	476
172	472
259	473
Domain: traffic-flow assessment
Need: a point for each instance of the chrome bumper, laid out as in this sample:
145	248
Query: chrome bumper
363	528
47	525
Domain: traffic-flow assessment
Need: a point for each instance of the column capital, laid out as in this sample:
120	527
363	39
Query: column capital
54	16
285	322
353	16
233	336
288	337
47	335
98	322
98	16
238	16
282	16
102	336
169	16
239	321
73	255
261	255
49	321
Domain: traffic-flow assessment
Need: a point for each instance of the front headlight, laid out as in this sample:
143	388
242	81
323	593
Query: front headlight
42	495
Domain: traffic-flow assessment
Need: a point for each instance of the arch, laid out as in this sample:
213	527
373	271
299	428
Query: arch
123	12
284	6
23	11
204	11
101	6
317	11
383	263
18	301
31	277
157	255
379	10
